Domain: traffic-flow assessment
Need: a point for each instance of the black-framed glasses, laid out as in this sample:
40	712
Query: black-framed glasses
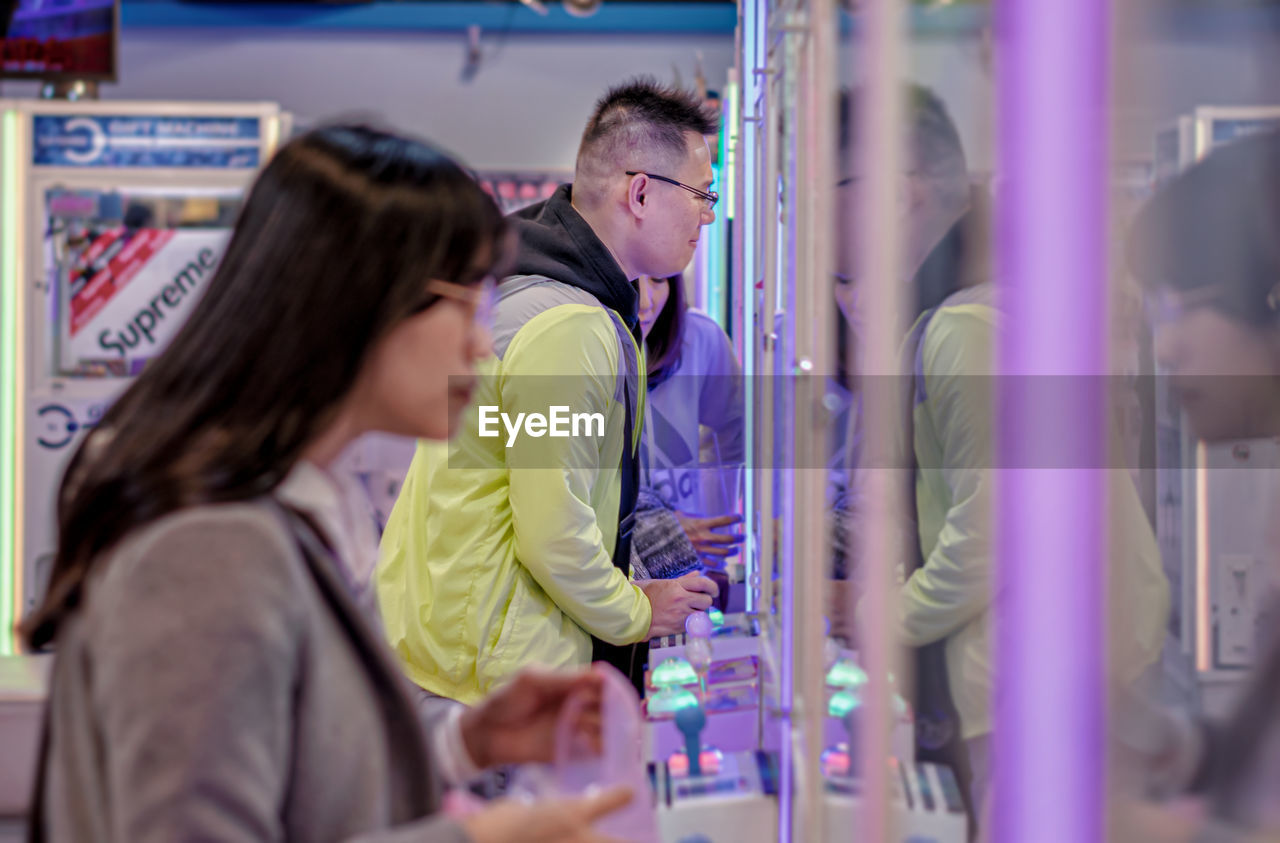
710	198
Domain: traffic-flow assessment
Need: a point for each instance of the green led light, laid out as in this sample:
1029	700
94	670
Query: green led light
714	262
686	700
674	673
846	674
729	146
842	703
9	181
717	617
671	700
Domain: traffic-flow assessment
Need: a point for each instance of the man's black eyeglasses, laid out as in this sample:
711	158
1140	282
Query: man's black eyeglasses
710	198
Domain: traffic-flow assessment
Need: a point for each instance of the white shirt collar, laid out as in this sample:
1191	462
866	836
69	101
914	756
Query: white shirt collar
341	508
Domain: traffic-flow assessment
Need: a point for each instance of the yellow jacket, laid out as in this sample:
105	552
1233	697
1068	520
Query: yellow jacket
951	595
496	557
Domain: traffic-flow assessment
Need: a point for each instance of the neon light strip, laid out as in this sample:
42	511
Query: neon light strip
1051	234
1204	617
689	18
746	246
10	351
788	796
713	280
731	140
770	271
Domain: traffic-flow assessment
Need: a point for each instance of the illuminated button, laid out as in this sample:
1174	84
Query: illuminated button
836	762
671	700
711	760
842	703
846	674
673	673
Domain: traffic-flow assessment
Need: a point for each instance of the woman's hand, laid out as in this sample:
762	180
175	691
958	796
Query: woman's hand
565	820
517	723
707	534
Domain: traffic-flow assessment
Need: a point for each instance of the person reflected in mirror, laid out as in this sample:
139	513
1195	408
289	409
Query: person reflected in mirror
944	609
1207	247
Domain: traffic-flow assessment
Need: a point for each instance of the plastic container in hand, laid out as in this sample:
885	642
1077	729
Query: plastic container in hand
577	770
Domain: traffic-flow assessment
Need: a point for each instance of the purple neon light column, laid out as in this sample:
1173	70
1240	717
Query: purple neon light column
1051	234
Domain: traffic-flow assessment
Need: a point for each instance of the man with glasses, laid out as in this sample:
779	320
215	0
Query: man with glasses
507	551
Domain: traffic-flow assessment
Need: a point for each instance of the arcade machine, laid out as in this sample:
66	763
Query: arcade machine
112	218
1213	505
720	776
758	718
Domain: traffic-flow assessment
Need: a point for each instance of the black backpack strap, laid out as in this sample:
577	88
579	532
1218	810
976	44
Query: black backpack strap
630	659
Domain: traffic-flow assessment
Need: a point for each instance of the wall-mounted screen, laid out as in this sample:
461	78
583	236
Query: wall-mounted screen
59	39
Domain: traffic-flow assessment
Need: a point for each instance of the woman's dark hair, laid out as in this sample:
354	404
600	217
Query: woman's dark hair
333	247
666	337
1218	224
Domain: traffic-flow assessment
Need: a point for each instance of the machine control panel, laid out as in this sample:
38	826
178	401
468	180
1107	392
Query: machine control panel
734	800
926	800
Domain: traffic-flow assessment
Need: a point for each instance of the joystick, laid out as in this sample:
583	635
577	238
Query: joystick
691	720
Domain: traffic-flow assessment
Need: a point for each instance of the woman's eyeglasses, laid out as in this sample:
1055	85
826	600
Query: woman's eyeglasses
480	298
711	198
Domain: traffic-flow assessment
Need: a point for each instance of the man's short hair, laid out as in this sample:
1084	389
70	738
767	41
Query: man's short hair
934	144
638	125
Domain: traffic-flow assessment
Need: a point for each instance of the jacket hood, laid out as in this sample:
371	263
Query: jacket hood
556	242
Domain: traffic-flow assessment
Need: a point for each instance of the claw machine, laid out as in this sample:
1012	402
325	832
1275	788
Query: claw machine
113	216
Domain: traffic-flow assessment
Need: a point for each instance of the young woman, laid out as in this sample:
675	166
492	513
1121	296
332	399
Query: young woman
1209	247
216	678
695	412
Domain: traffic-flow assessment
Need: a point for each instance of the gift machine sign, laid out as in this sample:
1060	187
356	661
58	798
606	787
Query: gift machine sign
91	140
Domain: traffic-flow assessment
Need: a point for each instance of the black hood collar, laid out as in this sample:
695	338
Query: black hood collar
556	242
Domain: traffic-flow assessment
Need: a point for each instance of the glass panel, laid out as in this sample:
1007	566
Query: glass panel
1194	211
